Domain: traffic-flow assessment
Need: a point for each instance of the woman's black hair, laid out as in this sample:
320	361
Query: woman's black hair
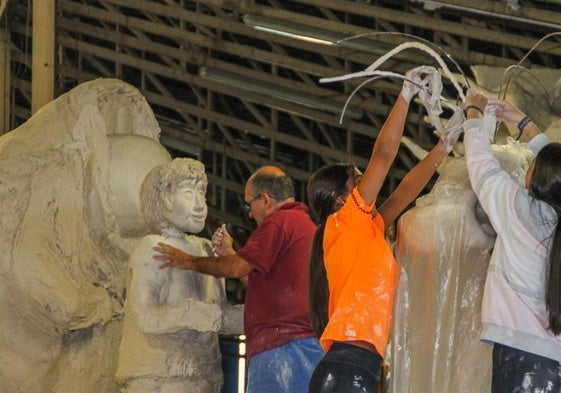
545	185
324	186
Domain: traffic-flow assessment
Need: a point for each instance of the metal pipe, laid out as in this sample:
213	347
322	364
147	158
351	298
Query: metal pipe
431	5
280	92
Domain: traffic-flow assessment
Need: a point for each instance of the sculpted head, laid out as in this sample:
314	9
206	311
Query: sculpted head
173	198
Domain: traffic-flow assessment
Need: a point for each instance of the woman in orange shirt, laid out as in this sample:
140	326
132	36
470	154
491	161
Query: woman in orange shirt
353	273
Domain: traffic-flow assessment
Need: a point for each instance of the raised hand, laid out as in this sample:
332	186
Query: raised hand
222	241
506	112
415	80
475	101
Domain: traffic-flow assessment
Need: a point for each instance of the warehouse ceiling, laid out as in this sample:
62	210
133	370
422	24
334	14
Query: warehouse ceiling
236	83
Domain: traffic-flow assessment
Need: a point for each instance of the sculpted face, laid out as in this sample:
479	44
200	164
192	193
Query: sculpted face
187	209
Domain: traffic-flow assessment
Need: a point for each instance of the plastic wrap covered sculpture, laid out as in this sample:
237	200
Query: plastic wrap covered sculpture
69	183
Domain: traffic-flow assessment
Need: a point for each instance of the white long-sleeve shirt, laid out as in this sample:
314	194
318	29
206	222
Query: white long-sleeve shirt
513	310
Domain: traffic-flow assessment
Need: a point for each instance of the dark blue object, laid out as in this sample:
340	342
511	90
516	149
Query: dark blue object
230	349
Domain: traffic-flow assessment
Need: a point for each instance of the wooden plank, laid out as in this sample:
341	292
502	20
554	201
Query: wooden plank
195	80
528	14
3	4
5	80
243	51
236	154
395	16
258	130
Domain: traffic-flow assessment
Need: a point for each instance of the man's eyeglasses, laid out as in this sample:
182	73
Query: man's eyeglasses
247	206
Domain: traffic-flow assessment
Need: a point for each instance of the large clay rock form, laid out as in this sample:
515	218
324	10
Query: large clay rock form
67	181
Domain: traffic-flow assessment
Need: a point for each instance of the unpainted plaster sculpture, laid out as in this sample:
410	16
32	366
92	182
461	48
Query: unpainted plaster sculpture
173	316
67	226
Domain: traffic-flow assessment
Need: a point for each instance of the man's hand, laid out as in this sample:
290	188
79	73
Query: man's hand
222	241
173	257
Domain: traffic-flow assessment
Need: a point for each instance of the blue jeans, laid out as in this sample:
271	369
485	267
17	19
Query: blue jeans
285	369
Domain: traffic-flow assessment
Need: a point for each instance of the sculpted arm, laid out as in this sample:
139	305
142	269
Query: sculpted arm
148	292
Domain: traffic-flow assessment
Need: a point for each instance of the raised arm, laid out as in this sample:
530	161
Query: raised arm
413	183
223	244
388	140
512	116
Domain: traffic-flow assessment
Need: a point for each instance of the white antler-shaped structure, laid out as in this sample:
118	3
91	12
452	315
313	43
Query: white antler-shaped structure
370	71
430	97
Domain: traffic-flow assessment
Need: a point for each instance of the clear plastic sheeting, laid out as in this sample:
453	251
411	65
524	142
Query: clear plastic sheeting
444	245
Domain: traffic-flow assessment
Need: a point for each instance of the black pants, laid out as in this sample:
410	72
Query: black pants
516	371
346	368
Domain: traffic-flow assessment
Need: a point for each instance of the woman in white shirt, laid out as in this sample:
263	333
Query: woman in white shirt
521	310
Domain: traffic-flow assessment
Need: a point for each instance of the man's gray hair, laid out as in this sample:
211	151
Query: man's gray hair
278	186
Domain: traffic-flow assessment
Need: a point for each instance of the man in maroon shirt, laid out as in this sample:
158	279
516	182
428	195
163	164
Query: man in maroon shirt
281	346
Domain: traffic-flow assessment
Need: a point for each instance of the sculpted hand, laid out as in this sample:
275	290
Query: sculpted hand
173	257
222	241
